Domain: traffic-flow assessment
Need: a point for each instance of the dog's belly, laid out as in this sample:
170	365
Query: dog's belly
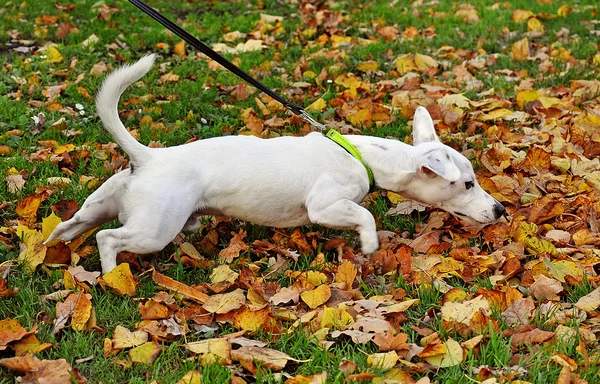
280	217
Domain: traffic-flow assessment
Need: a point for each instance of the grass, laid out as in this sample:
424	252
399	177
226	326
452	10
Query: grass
197	112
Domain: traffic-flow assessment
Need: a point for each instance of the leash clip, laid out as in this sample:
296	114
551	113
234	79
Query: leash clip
309	119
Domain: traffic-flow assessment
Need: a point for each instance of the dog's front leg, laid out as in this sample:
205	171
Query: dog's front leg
346	214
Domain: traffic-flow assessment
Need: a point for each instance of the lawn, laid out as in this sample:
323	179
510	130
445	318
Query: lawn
512	85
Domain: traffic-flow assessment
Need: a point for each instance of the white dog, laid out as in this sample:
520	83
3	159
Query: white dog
281	182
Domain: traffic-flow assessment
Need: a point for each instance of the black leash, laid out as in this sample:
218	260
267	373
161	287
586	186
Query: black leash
297	110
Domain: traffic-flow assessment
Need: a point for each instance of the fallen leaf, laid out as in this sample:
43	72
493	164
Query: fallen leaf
124	338
180	288
316	297
224	303
120	279
145	353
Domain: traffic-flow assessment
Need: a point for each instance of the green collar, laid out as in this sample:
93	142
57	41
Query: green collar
339	139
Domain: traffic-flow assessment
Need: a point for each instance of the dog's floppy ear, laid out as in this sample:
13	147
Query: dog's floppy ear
423	129
438	162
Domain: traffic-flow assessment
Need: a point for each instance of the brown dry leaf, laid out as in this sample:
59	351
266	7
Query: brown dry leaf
10	330
80	274
346	274
5	290
589	302
236	245
267	357
120	279
145	353
39	371
153	310
212	350
285	295
545	288
316	297
534	336
180	288
224	303
124	338
519	312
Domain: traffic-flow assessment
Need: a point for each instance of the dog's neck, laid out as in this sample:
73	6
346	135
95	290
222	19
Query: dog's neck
391	171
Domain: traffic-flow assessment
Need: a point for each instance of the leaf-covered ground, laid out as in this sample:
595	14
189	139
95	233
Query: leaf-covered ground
511	84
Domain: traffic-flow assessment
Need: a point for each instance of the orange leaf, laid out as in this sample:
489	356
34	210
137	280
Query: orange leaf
176	286
346	274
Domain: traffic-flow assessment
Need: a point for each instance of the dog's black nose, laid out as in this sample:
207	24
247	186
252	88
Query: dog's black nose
499	210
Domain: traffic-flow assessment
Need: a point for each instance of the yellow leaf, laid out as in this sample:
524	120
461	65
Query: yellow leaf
458	99
405	63
224	303
521	15
212	350
145	353
464	312
28	207
179	48
496	114
348	80
560	269
335	318
53	55
249	320
49	224
368	66
223	273
34	252
316	297
424	62
317	105
452	357
23	232
124	338
192	377
526	96
346	274
316	278
520	49
383	361
535	25
564	10
120	279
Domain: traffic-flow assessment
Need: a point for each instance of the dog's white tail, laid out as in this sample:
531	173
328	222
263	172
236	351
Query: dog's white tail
107	102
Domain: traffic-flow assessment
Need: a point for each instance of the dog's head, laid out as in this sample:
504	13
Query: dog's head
445	178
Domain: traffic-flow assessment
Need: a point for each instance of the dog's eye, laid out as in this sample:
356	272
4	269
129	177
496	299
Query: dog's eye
469	184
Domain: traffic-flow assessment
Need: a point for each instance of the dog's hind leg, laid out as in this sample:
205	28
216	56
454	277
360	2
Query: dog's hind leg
346	214
97	209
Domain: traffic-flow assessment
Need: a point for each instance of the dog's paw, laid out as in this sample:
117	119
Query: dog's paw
369	247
